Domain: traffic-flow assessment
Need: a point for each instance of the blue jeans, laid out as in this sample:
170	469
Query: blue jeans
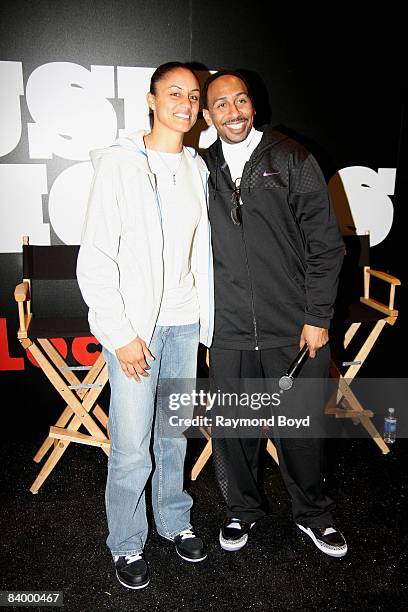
134	407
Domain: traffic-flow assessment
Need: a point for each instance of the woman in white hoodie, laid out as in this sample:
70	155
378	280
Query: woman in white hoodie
145	271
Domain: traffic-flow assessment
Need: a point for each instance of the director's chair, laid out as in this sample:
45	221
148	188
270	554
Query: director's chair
359	311
50	306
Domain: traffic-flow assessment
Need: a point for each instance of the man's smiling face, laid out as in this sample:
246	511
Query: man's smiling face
229	108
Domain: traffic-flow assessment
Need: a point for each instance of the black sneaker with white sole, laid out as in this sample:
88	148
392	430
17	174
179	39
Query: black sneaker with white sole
189	546
327	539
234	534
132	571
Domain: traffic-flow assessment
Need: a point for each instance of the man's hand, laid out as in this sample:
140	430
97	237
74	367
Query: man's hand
132	359
314	337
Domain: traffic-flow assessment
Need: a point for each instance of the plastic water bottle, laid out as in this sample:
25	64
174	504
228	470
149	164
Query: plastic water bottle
390	426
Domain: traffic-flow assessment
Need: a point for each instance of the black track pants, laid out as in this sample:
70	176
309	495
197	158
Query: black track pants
236	452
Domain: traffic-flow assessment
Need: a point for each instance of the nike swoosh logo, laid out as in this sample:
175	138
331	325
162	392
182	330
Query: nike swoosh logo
266	173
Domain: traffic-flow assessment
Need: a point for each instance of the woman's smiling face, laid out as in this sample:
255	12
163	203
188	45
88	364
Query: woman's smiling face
175	103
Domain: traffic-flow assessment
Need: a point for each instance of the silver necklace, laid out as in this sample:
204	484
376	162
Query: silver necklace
173	173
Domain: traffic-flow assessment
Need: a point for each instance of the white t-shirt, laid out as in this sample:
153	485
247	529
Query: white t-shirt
180	211
236	155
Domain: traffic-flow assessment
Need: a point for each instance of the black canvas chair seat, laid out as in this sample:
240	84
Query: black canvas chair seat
360	313
59	328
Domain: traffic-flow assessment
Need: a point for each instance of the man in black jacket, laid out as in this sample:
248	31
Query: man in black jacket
277	257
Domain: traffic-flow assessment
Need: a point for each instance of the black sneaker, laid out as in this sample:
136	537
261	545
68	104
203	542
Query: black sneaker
189	546
234	533
327	539
132	571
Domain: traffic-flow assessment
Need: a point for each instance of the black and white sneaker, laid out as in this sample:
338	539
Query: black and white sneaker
327	539
132	571
234	533
189	546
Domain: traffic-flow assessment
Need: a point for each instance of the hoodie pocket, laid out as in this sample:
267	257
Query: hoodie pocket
294	280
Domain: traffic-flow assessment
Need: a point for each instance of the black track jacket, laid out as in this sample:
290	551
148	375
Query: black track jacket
280	268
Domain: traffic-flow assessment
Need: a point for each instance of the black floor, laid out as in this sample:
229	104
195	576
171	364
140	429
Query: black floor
56	540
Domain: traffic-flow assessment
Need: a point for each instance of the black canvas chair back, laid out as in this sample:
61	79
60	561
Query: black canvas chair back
56	301
357	256
348	308
351	280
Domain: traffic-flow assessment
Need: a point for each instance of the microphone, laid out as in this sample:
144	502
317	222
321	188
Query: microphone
286	381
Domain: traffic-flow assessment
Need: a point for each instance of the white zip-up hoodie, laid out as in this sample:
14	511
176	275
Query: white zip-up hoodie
120	265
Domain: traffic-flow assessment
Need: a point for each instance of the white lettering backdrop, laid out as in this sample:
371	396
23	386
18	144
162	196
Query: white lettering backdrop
72	113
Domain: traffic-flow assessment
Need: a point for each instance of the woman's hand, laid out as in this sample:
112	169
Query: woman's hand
132	359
